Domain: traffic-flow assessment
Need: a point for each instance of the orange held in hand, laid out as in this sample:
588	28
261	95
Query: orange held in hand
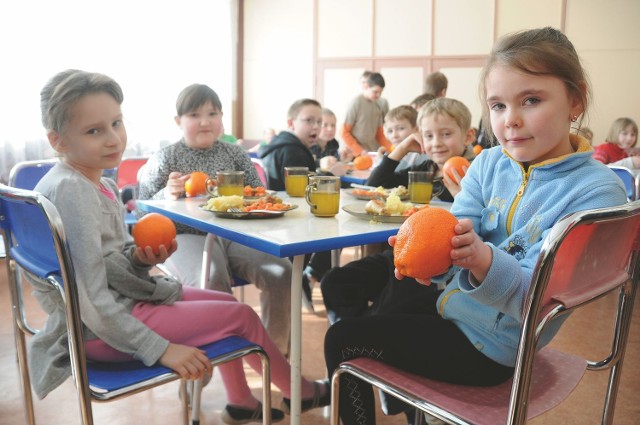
195	185
362	162
455	163
154	230
423	245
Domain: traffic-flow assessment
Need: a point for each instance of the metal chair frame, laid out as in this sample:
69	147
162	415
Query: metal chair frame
27	214
571	272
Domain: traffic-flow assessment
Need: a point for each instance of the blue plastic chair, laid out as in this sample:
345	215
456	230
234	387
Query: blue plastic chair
629	179
36	244
27	174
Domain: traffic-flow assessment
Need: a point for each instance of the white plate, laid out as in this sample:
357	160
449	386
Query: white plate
372	194
357	210
249	214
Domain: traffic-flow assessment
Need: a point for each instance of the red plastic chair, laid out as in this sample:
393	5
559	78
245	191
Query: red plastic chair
586	256
257	164
127	181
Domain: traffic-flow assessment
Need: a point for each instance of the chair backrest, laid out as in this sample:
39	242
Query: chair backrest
257	164
629	180
35	239
127	173
586	255
27	174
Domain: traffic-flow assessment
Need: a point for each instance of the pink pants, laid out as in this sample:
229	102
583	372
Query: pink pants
204	316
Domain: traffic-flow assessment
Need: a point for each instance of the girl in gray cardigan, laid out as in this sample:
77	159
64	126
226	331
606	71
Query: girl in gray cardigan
126	314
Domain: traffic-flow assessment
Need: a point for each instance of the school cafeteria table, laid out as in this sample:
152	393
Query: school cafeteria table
295	234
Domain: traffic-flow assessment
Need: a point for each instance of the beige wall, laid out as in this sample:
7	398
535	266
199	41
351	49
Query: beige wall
318	48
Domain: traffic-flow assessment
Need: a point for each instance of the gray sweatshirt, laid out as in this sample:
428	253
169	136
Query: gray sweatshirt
109	283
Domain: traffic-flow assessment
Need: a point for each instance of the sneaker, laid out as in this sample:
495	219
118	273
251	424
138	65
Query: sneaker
311	403
235	415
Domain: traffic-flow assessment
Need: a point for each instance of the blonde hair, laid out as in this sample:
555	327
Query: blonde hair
403	112
619	125
297	106
447	106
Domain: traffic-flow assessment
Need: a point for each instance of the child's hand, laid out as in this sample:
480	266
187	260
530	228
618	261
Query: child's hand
413	143
469	251
327	162
188	362
346	155
453	186
147	257
175	185
636	161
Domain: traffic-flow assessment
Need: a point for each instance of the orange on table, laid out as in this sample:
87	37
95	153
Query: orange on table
423	244
457	163
363	162
477	149
195	184
154	230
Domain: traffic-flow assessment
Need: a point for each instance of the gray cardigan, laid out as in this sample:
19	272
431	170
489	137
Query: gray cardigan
109	284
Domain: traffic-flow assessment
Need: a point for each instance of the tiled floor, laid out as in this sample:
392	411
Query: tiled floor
160	406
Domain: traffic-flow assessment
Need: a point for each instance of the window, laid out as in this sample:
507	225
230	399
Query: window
153	49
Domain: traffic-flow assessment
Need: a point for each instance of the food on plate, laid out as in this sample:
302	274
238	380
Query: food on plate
153	230
381	192
196	184
457	163
223	203
268	202
254	191
392	206
423	244
363	162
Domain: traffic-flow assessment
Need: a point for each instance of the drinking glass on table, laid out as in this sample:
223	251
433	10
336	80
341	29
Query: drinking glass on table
421	187
323	195
227	183
296	180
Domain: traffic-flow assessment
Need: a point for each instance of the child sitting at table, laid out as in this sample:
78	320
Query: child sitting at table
199	116
292	148
445	131
533	86
126	314
400	123
619	148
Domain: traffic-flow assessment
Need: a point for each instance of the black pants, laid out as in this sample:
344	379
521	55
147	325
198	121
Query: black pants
412	336
366	286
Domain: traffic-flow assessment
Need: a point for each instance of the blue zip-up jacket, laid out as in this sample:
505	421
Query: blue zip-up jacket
512	210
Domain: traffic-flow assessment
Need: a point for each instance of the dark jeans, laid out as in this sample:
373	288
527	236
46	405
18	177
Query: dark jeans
412	336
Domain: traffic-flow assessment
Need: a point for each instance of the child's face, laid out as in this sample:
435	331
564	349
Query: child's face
530	114
373	93
627	137
442	138
307	125
328	131
94	137
201	127
397	130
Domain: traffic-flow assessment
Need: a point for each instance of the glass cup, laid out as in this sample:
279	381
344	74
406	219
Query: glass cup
226	183
421	187
323	195
296	180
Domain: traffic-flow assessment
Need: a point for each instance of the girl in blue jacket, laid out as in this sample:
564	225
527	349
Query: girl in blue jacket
533	88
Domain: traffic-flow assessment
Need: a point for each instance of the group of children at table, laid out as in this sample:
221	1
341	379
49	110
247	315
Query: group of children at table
462	331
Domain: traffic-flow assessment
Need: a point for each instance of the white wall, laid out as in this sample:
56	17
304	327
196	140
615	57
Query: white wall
406	39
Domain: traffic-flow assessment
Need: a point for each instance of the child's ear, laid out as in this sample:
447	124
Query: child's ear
290	124
56	141
471	136
177	120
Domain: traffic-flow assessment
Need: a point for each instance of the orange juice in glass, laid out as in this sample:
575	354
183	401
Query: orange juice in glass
227	183
296	180
323	195
420	186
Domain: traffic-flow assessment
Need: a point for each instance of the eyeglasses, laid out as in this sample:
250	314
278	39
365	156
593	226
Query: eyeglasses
311	121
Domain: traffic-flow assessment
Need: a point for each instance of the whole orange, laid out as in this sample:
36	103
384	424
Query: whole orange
423	244
195	185
477	149
154	230
362	162
455	162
